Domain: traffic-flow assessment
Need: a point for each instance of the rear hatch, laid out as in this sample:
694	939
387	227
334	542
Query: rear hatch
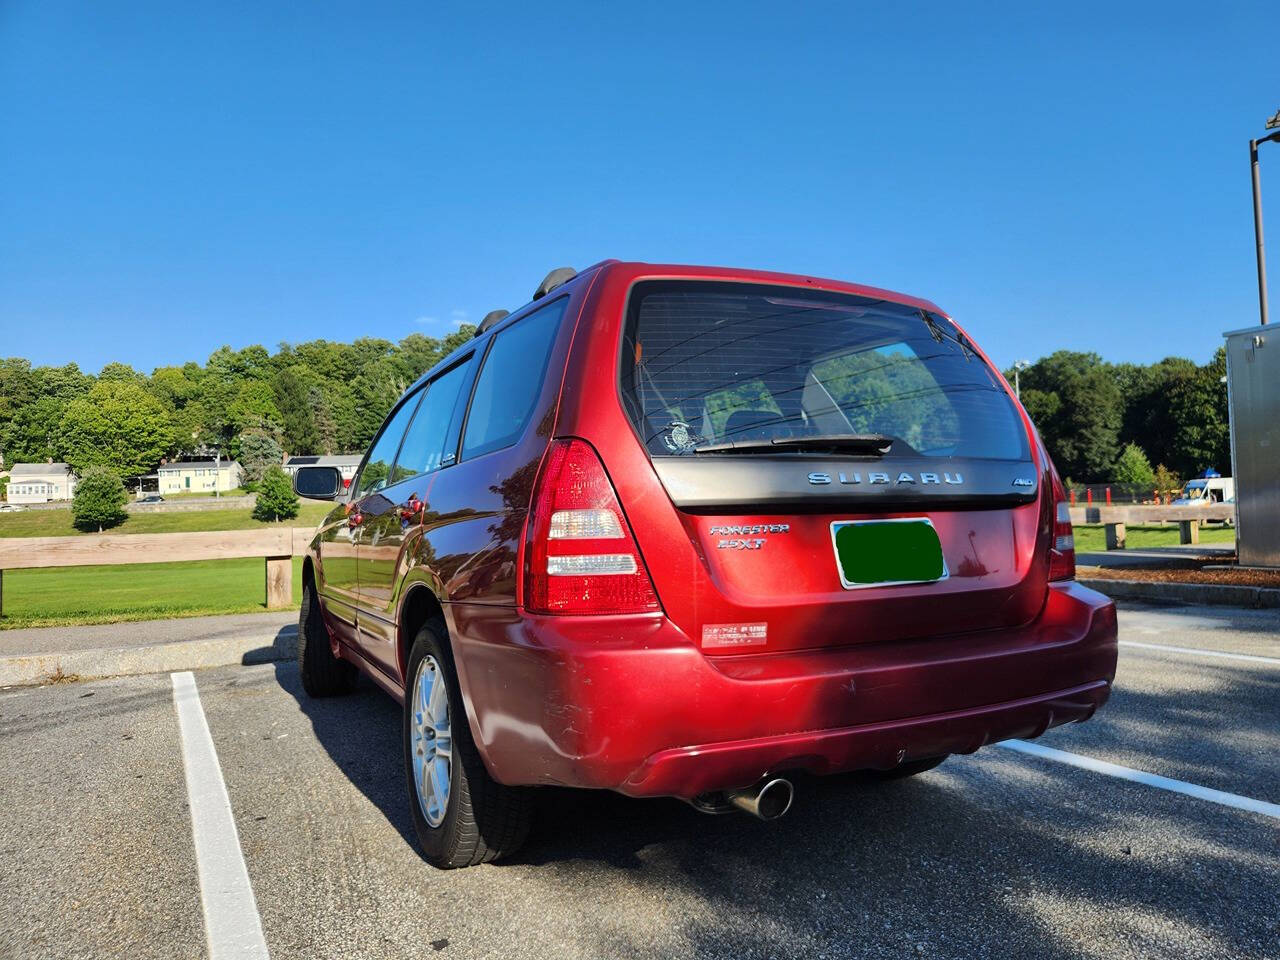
846	469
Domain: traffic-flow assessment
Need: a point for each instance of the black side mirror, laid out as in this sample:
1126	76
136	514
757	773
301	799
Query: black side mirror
318	483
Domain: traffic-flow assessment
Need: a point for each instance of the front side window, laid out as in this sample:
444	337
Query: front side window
377	469
711	365
423	449
509	381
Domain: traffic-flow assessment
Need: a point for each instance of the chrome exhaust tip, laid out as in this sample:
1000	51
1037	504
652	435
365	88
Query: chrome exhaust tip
769	799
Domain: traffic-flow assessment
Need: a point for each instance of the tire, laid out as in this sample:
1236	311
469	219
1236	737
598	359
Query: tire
908	769
479	819
323	674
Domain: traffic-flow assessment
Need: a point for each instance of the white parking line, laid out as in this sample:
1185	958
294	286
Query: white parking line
231	921
1198	652
1149	779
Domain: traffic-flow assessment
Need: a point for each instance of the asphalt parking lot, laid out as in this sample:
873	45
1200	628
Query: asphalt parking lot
998	854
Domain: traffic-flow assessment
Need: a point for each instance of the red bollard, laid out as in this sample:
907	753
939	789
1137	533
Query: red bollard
1072	494
1108	496
1088	495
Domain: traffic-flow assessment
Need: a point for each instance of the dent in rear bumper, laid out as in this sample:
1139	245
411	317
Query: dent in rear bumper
631	704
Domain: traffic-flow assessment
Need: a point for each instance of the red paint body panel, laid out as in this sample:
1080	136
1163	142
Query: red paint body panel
594	702
832	680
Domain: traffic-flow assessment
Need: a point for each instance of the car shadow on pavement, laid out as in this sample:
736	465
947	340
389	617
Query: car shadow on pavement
988	856
361	734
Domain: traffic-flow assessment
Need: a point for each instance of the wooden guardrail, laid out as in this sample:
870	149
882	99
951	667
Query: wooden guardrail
1152	513
1187	518
277	546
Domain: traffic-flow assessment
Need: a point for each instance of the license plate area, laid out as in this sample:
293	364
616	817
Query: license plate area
886	553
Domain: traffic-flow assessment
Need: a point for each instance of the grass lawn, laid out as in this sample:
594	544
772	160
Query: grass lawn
143	591
1091	538
57	523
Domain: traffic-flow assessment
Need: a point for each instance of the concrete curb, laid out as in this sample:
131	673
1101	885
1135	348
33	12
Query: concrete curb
43	668
1213	594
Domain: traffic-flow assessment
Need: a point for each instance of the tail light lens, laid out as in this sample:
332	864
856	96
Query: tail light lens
579	554
1062	553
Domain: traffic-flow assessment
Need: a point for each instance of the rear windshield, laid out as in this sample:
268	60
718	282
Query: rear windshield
712	363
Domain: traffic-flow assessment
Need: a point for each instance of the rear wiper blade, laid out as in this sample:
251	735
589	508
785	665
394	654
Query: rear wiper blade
869	444
940	335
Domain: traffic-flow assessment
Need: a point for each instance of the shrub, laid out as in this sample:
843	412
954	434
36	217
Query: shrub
1134	467
276	499
258	453
99	500
1166	481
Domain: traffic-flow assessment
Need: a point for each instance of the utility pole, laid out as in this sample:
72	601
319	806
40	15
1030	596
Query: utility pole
1018	367
1273	123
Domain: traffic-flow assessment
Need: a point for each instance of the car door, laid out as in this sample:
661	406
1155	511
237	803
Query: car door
369	499
392	515
336	552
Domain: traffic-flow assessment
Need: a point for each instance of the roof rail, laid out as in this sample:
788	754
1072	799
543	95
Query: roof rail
490	318
556	278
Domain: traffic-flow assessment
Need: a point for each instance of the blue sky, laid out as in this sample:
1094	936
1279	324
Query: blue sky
174	177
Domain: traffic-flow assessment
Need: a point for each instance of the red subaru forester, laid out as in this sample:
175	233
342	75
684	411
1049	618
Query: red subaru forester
680	531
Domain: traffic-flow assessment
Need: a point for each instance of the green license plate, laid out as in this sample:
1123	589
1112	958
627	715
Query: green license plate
876	553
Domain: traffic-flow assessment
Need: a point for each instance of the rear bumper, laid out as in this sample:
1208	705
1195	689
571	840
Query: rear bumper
630	704
687	771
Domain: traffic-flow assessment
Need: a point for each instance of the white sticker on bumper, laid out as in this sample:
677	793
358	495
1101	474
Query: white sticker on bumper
734	634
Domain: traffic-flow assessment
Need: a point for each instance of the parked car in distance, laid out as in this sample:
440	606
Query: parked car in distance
681	531
11	508
151	498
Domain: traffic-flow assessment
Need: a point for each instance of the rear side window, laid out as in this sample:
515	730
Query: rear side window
377	469
423	449
509	381
717	363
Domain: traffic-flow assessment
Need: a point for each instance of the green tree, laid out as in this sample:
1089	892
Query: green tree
259	451
65	382
120	371
119	425
233	366
33	434
1148	419
297	391
254	401
1198	410
276	499
1134	467
99	500
17	389
175	387
1074	400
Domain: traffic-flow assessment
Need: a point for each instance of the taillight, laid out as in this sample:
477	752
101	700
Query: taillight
1062	554
579	554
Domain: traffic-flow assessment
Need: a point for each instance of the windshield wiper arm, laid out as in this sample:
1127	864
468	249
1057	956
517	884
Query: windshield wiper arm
869	444
940	335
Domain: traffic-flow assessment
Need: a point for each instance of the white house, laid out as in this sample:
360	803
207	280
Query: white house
199	476
40	483
347	465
